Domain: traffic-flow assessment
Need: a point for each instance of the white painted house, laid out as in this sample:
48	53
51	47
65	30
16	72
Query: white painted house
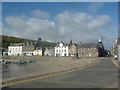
21	49
61	50
15	50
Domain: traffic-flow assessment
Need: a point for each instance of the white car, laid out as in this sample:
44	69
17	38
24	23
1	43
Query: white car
115	57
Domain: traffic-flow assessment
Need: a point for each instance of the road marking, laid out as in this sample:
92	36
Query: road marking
46	76
116	64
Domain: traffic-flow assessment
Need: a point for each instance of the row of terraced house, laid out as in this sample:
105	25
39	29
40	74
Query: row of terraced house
80	50
61	49
115	51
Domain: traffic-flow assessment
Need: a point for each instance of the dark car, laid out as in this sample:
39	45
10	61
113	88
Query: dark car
14	62
22	62
5	61
32	61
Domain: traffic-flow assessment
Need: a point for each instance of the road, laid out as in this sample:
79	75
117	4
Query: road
101	75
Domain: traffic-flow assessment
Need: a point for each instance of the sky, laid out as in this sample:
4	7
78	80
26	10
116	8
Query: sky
119	20
62	21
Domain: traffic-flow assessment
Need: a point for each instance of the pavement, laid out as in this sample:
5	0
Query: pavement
45	65
103	74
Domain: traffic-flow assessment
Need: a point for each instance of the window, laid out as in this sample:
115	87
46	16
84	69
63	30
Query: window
65	50
82	53
56	50
90	54
82	49
89	49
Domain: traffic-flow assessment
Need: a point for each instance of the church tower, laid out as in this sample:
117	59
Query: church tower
99	41
102	51
100	44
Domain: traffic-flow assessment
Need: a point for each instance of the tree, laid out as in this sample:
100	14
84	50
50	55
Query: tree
39	39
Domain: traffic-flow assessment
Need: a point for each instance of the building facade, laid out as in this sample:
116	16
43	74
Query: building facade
115	49
91	50
73	50
20	49
37	52
15	49
61	49
119	52
49	51
87	50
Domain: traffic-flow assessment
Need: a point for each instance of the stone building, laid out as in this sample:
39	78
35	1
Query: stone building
28	48
38	52
38	49
101	50
118	41
91	49
49	51
87	50
73	50
114	50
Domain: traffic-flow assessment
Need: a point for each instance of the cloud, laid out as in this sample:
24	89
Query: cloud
30	28
41	14
82	27
77	26
95	6
0	28
80	23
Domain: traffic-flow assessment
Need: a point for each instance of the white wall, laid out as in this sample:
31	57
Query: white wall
28	53
15	50
61	50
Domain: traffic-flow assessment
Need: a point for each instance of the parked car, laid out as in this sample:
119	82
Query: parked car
32	61
9	62
14	62
5	61
115	57
1	61
22	62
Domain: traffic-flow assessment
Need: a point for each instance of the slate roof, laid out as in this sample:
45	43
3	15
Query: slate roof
87	45
16	44
73	44
37	44
64	44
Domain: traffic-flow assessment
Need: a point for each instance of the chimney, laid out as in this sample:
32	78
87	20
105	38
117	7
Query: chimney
80	43
70	42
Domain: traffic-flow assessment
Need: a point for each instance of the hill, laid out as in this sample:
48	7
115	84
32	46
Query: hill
7	40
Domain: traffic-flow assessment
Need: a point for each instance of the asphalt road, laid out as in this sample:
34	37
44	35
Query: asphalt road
101	75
